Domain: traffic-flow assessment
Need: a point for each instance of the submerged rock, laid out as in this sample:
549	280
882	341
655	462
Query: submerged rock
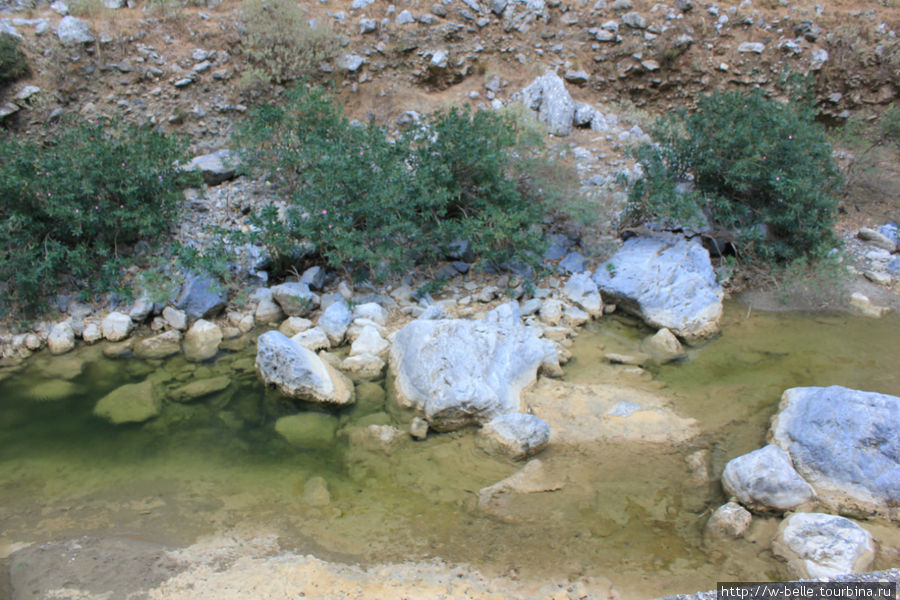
819	545
198	389
765	480
315	492
159	346
517	435
731	520
663	346
52	390
666	280
533	478
461	372
579	413
308	430
846	444
131	403
298	372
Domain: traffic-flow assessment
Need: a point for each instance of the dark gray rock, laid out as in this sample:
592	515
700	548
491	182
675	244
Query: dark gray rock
846	444
461	250
574	262
558	248
201	297
577	77
891	232
447	272
460	266
893	267
634	20
666	280
314	277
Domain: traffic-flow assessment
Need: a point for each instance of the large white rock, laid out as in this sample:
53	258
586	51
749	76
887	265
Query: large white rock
547	94
461	372
765	480
61	338
298	372
201	342
116	326
846	443
666	280
819	545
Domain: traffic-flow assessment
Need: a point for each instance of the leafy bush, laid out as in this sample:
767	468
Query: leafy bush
372	205
889	126
281	43
70	207
758	167
13	64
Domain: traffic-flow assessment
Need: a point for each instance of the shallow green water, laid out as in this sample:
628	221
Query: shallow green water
629	512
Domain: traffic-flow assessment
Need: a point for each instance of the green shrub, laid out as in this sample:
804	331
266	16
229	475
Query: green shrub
280	43
371	205
13	64
889	126
760	168
70	207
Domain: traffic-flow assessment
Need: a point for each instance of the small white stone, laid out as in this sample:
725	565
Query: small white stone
116	326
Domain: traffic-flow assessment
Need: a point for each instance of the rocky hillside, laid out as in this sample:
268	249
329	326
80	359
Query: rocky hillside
189	68
182	66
